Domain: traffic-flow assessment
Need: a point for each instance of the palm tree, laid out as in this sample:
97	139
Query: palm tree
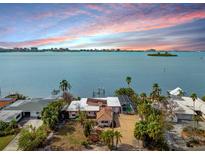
128	80
181	93
140	131
156	91
118	137
65	85
197	118
108	138
143	96
194	97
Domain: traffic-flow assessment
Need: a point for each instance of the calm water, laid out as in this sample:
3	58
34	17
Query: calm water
36	74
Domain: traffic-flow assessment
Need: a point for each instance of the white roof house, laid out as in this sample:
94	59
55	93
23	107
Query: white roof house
176	91
83	106
188	105
7	115
112	101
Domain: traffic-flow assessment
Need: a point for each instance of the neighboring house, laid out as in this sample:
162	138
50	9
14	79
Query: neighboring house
181	111
175	92
29	108
7	116
183	106
98	108
6	101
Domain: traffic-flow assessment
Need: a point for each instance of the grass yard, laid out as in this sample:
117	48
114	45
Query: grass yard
5	140
69	137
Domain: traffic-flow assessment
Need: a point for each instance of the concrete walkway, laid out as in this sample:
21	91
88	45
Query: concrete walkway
13	145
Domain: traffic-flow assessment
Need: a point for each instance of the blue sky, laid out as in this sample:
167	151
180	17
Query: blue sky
124	26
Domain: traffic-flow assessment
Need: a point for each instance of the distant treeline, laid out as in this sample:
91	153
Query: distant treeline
165	54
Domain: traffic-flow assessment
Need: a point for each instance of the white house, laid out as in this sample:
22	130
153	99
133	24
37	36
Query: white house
184	107
7	115
99	108
30	107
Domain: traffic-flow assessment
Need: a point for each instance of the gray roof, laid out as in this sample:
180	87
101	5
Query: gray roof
7	116
36	105
124	100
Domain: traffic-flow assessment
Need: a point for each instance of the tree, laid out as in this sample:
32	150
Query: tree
194	97
51	114
196	119
50	117
143	96
82	117
140	131
203	98
88	125
125	91
108	138
144	109
118	137
128	80
156	91
65	85
181	93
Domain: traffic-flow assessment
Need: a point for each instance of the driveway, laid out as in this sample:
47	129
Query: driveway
13	145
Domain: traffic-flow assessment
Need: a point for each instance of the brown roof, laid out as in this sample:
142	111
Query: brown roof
96	102
2	104
6	101
105	114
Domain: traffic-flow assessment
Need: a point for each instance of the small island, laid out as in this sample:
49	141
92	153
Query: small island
165	54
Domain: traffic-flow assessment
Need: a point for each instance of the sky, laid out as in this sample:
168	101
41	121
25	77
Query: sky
85	26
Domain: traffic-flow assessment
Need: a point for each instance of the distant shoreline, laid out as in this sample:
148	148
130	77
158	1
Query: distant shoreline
155	53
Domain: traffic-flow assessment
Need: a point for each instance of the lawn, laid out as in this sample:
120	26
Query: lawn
69	137
5	140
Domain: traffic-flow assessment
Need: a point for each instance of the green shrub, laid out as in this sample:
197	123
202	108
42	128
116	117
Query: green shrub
8	128
203	98
32	139
85	143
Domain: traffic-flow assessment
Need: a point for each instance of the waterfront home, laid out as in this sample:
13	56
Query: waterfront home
8	116
180	110
29	108
184	107
102	109
6	101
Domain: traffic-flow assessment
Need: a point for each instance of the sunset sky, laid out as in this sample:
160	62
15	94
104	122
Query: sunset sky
124	26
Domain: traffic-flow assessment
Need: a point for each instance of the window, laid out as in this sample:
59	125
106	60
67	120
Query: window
104	122
18	116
